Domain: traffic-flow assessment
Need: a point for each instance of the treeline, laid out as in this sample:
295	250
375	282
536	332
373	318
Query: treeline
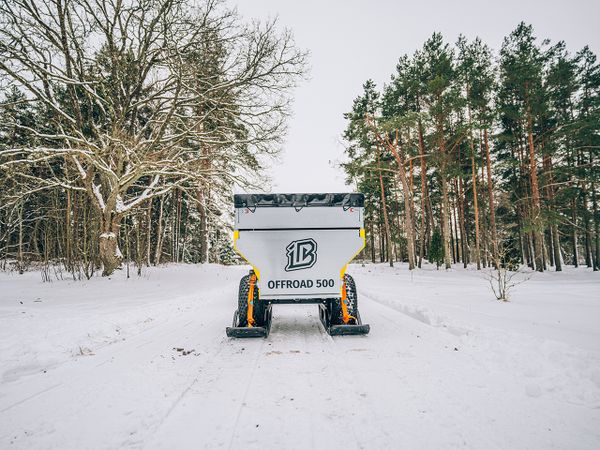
481	158
124	127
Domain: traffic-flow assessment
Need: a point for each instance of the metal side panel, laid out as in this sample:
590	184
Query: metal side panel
299	263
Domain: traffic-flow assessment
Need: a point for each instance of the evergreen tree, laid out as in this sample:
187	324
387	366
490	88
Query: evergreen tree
436	249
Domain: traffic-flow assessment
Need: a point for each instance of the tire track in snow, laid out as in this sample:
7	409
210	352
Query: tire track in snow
257	355
299	329
340	358
118	346
120	360
115	348
350	386
30	397
227	348
185	392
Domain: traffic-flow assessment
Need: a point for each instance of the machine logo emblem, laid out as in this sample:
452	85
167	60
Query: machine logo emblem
301	254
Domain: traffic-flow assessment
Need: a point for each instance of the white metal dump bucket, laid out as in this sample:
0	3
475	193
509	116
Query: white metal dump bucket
299	244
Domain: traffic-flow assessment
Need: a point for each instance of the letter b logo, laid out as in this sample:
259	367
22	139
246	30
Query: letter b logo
301	254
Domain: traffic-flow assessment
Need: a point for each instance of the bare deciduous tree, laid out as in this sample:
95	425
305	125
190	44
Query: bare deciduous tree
504	274
142	97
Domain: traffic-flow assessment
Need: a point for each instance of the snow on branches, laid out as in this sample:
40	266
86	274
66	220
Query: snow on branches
134	99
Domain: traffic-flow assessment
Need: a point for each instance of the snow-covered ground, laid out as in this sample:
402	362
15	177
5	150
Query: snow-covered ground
145	363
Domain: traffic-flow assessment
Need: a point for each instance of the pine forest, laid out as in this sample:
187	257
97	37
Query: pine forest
476	157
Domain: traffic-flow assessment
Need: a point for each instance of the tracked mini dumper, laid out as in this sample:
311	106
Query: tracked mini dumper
299	246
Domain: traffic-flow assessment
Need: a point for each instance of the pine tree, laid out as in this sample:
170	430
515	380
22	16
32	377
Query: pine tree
436	249
441	97
522	101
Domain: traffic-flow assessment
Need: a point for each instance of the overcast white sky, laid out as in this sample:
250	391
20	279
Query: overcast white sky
351	41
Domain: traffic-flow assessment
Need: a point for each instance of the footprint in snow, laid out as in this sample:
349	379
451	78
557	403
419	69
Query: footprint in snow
533	390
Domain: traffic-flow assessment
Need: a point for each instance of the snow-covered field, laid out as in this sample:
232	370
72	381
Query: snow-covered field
145	363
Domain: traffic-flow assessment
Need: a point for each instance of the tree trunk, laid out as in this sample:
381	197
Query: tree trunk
203	215
148	232
408	218
409	224
555	253
596	220
399	255
110	254
425	200
372	236
474	183
413	213
159	233
574	232
596	250
385	215
527	259
522	246
178	253
127	248
483	233
380	234
20	248
34	238
589	254
139	256
68	234
531	241
463	229
445	200
492	207
475	208
550	243
457	253
446	220
535	191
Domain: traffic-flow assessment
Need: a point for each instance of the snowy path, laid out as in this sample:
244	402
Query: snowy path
97	365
